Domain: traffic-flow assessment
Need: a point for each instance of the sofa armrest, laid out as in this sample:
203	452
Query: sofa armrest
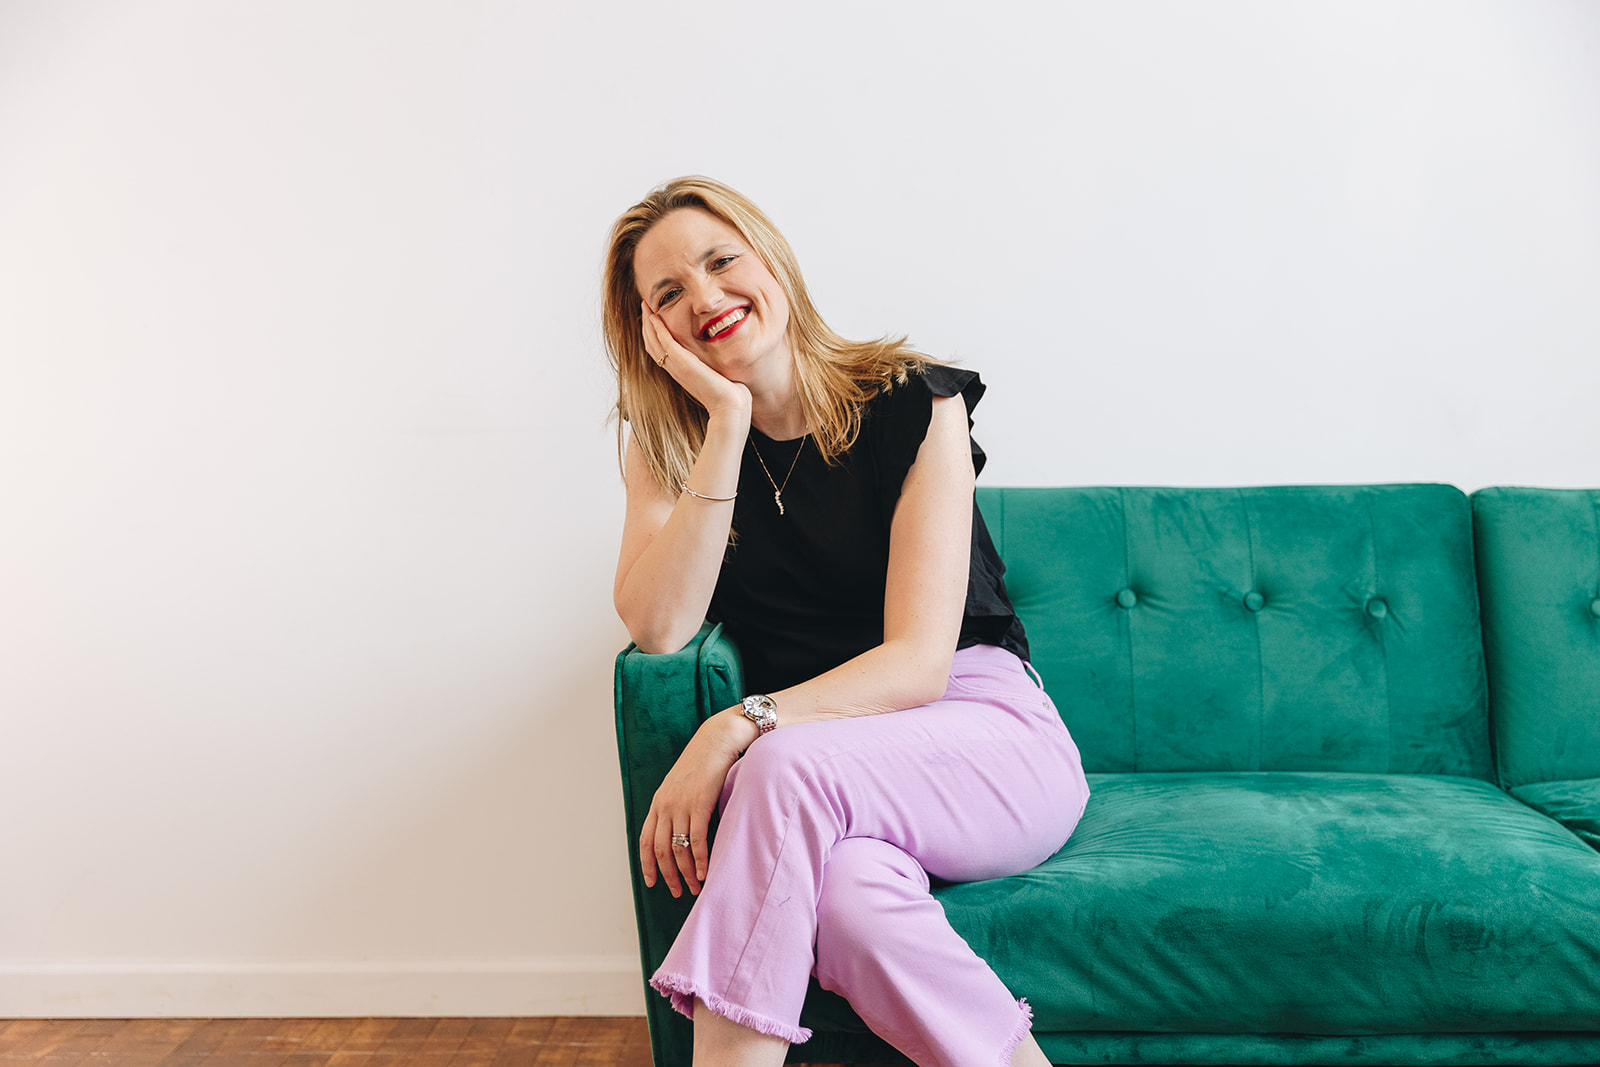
661	700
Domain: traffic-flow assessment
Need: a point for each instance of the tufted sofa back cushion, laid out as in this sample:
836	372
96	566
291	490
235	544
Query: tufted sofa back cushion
1327	628
1539	570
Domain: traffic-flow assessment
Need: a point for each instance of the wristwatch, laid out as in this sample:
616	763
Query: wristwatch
761	710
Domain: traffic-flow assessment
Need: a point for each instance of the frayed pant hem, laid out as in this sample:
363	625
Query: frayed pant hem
1023	1028
682	993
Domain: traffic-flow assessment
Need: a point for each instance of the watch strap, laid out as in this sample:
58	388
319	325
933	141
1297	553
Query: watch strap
761	710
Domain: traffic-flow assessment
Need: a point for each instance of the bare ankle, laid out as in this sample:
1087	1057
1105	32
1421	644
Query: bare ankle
1028	1054
721	1042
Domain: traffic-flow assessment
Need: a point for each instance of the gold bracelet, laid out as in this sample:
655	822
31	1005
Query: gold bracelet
702	496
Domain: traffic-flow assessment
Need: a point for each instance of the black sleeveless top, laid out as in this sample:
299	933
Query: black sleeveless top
802	592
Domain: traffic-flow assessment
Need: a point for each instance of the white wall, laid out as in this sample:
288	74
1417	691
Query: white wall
307	505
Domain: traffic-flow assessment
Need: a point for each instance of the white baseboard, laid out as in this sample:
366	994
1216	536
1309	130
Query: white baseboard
564	985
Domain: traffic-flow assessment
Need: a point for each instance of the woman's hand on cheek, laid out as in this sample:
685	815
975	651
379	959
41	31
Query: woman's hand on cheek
710	390
683	805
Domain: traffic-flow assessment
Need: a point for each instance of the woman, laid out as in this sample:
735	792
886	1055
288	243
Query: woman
816	496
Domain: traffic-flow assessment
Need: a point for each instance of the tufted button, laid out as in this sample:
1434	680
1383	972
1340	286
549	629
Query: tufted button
1127	598
1253	600
1594	607
1377	608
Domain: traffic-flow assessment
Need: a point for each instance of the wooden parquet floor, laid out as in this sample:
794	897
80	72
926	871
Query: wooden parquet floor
533	1042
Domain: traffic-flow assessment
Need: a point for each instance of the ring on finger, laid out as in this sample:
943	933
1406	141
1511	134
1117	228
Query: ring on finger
680	840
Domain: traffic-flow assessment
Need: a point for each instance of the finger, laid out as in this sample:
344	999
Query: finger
664	857
647	849
684	856
658	342
652	321
699	835
665	344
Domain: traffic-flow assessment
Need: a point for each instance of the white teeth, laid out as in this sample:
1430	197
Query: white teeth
727	320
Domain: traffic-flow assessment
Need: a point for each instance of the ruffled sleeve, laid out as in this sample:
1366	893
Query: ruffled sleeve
899	422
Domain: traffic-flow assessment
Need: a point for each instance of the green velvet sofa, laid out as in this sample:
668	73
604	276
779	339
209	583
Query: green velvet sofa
1344	745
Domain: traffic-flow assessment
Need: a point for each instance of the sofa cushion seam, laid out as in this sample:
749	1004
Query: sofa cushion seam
1127	583
1383	643
1261	666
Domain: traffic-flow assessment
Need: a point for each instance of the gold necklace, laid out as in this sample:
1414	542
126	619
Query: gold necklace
777	490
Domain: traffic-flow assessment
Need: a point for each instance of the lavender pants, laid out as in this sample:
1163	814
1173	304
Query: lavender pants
828	834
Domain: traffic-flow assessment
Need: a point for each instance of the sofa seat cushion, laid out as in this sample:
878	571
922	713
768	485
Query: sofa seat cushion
1574	804
1299	902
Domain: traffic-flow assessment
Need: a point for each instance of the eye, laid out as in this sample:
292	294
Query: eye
667	297
722	261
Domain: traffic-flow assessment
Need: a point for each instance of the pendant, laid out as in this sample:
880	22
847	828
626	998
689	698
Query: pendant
777	496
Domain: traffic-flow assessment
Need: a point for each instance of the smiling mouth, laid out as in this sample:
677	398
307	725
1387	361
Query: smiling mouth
717	327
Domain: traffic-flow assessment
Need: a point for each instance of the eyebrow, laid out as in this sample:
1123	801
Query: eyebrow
707	254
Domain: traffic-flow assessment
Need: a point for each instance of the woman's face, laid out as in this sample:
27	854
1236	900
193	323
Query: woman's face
713	292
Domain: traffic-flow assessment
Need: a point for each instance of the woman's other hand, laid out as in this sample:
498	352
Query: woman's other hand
687	797
710	390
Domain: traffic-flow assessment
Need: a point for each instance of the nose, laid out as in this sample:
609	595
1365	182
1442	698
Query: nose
704	294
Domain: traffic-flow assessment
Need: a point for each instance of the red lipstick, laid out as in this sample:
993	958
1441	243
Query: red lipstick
731	329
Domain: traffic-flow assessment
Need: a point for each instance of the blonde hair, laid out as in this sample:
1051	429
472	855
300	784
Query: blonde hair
834	376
